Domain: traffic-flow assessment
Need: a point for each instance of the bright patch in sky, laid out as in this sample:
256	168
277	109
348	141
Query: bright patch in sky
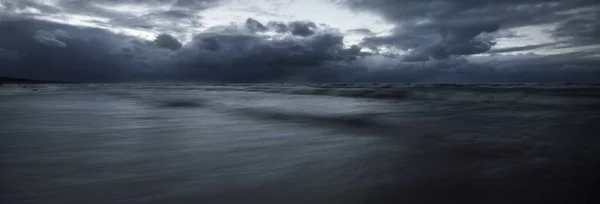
526	36
74	19
97	22
317	11
136	10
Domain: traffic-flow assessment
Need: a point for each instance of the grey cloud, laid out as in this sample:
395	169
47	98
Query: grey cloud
361	31
60	33
278	27
242	57
179	7
427	41
574	67
196	4
302	28
89	8
22	4
534	69
160	21
455	27
463	41
48	38
167	41
181	16
216	55
132	22
255	26
231	56
580	31
415	57
525	48
509	12
297	28
505	34
91	55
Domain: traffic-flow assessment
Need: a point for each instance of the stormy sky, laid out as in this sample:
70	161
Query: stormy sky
405	41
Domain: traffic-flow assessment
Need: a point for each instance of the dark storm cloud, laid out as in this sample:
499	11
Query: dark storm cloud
62	52
230	55
167	41
239	55
196	4
439	29
302	28
427	41
572	67
245	57
278	27
255	26
361	31
462	40
513	69
299	28
580	31
181	14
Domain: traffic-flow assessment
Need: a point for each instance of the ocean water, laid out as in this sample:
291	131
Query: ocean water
301	143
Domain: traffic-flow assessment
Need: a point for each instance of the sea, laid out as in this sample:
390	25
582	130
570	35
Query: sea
299	143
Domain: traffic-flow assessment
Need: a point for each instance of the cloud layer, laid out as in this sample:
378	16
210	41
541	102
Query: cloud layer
432	42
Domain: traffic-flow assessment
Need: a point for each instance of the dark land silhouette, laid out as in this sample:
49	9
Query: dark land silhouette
13	80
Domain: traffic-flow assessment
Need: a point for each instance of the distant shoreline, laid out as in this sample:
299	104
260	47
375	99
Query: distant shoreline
12	80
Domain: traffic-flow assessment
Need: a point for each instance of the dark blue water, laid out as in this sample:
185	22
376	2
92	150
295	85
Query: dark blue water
328	143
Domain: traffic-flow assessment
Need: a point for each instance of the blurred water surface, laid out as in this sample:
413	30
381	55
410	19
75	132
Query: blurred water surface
323	143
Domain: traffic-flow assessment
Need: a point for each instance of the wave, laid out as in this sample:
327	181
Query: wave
510	97
357	92
182	103
354	120
164	101
580	95
463	94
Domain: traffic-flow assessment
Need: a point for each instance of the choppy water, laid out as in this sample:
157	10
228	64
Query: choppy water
327	143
